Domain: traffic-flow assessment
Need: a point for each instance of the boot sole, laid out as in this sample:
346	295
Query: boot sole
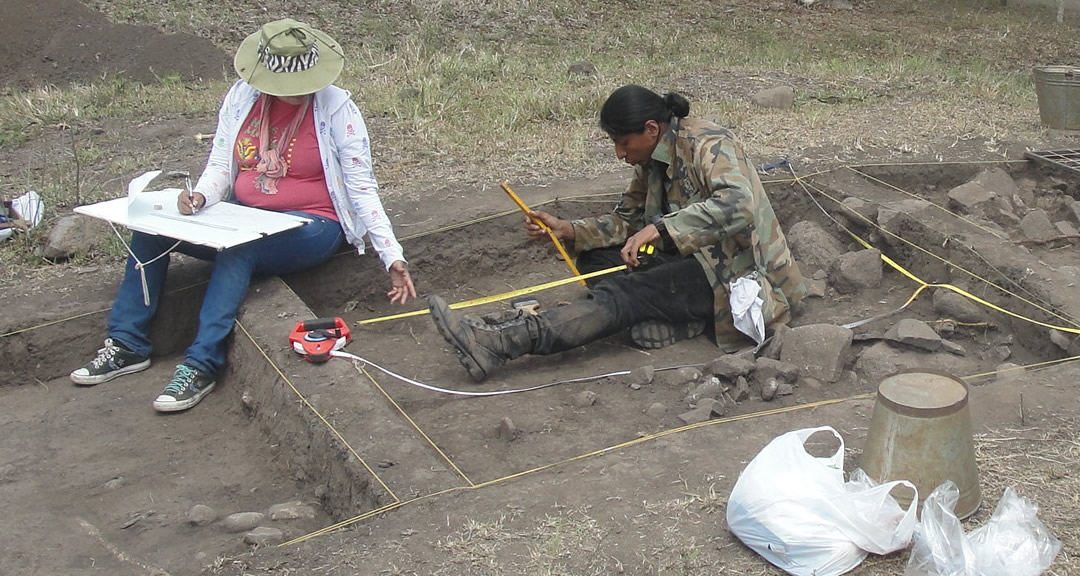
652	335
438	308
102	378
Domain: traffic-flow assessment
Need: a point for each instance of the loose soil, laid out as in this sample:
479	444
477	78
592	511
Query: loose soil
555	481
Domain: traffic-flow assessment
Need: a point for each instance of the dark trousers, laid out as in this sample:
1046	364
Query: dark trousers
673	290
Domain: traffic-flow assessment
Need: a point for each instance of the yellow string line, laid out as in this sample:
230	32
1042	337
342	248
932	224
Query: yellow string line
85	314
923	284
935	205
499	297
1035	366
316	412
600	452
411	422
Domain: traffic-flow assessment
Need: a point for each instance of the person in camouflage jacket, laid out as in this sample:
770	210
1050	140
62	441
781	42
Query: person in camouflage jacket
695	196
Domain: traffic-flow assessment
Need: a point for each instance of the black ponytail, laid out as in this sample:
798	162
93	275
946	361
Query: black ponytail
628	109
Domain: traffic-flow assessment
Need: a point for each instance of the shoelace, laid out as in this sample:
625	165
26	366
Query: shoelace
105	354
182	379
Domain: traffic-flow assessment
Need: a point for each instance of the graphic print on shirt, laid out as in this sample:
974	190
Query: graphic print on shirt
247	156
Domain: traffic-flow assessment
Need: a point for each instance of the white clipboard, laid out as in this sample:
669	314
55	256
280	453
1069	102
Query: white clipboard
220	226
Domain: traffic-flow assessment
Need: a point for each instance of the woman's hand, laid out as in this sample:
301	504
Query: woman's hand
629	252
190	202
401	286
563	229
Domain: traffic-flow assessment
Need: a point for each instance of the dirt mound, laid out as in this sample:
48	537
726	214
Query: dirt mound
63	41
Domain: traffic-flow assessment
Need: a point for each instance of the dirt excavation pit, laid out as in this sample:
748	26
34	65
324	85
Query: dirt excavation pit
990	236
98	481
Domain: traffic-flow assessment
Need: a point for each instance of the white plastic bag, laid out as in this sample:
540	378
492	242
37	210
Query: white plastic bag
1014	542
29	207
746	307
798	513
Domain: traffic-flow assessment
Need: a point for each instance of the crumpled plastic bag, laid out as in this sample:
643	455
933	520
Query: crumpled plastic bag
1014	542
29	207
797	512
26	212
746	307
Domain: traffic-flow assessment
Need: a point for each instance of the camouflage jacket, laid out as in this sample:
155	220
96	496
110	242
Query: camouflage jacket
716	210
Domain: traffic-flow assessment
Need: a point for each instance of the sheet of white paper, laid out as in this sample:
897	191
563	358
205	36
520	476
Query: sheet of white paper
139	183
220	226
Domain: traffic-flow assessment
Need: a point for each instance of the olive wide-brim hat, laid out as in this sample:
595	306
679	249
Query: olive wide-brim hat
289	58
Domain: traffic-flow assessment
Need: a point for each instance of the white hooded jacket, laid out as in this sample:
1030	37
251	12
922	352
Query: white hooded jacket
346	158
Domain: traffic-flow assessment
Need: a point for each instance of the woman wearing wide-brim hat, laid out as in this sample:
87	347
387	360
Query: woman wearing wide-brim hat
287	140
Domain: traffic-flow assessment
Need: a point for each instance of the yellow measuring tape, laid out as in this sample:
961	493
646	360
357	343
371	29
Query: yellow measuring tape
501	297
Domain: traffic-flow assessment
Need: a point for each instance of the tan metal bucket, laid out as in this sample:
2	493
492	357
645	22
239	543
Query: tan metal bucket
1058	91
921	432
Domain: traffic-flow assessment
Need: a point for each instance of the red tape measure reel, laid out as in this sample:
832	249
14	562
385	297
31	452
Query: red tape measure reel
316	339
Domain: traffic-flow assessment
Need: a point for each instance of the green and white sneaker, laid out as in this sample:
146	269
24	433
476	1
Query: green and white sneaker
186	388
111	361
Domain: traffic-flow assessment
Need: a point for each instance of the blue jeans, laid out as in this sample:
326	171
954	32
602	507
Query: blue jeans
296	249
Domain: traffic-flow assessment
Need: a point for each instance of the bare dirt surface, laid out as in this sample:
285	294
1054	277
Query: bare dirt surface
58	42
581	478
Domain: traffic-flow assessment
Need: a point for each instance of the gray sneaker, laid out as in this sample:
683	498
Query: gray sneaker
186	388
111	361
652	334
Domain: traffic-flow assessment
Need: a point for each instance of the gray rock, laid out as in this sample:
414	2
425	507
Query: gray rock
585	398
818	350
242	521
1074	209
697	415
858	212
1007	371
710	388
878	362
264	536
998	182
953	348
1060	339
914	333
854	271
684	375
201	515
782	97
506	429
998	353
776	342
953	306
812	246
1065	228
785	389
815	288
765	368
73	235
1036	226
114	483
582	68
657	411
969	198
642	376
291	511
742	390
730	366
769	388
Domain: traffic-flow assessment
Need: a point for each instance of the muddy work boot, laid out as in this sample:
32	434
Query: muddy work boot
653	334
481	347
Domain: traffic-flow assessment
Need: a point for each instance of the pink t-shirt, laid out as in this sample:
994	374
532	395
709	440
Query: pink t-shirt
304	186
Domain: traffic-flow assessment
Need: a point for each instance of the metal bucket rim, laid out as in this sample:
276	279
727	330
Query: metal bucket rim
1059	69
904	410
